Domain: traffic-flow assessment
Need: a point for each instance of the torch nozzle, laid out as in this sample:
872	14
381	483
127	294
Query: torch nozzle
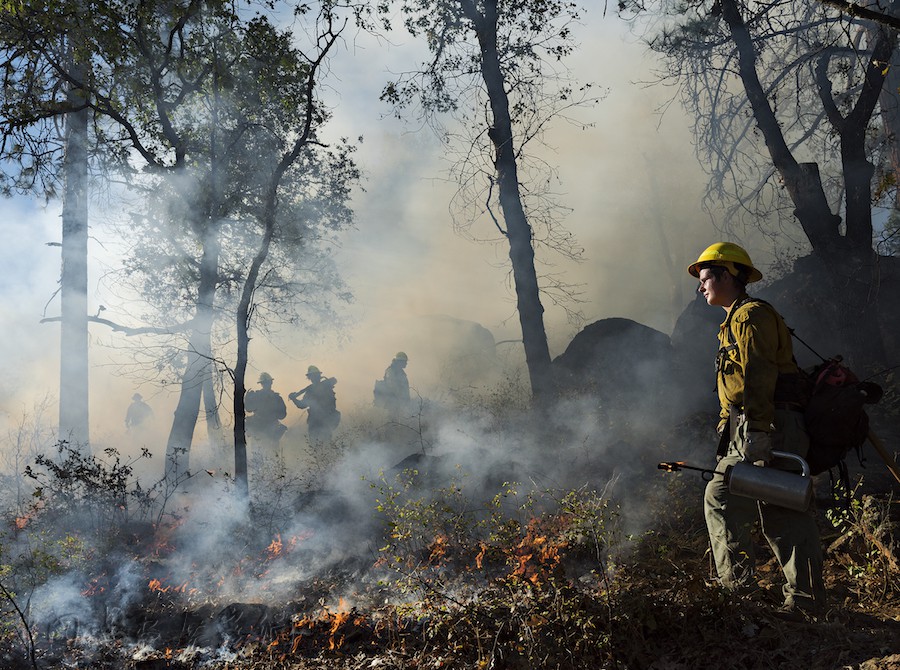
671	466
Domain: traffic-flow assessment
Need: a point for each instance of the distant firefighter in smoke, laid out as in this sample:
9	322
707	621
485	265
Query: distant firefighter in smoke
265	410
138	412
318	399
392	392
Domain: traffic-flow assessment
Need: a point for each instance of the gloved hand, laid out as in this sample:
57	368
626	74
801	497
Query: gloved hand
758	447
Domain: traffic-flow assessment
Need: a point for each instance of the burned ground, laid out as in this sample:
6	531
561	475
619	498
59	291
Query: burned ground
537	582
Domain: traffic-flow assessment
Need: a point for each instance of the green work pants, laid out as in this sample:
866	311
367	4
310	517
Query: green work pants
792	535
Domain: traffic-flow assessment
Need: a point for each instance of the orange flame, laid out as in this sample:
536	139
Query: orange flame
27	517
338	620
335	622
157	586
275	547
479	559
438	548
278	548
94	587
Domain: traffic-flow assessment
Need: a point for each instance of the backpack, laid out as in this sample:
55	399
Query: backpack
835	414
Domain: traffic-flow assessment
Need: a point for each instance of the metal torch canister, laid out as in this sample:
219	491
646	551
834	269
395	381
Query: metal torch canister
776	487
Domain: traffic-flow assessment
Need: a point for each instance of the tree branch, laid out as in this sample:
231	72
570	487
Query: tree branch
850	9
129	331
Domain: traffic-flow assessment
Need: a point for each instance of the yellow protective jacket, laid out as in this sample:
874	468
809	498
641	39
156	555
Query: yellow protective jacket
751	360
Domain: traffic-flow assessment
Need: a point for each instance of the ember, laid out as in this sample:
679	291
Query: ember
438	548
95	586
23	520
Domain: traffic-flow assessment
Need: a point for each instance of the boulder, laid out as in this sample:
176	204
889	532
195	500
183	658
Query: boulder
625	365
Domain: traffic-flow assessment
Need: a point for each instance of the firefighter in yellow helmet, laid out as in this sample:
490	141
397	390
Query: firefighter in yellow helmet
760	396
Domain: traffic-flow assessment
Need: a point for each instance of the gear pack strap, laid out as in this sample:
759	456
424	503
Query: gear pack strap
785	383
722	354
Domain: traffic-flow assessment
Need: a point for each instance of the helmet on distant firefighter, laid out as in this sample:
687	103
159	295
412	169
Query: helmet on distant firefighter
730	256
400	356
266	378
313	371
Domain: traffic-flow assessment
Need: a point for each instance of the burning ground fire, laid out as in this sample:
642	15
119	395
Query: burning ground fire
338	625
183	595
256	566
157	585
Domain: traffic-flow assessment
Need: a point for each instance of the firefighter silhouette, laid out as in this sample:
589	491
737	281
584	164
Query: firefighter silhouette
138	412
265	410
319	400
392	392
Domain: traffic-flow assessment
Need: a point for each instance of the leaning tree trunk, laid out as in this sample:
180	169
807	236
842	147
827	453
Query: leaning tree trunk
849	258
518	230
73	355
199	355
243	336
857	272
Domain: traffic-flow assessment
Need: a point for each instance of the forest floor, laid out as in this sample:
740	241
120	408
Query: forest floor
536	584
656	607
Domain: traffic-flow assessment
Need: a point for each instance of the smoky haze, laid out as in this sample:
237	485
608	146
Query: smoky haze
633	186
628	175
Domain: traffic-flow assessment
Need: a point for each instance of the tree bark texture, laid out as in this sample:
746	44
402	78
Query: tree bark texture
199	362
850	256
211	408
73	355
518	230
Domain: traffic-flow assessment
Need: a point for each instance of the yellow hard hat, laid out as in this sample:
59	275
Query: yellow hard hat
728	255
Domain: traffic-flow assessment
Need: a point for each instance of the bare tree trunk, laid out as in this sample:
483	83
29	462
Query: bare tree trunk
268	220
73	378
243	317
211	408
518	230
850	257
242	484
801	180
199	355
889	102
